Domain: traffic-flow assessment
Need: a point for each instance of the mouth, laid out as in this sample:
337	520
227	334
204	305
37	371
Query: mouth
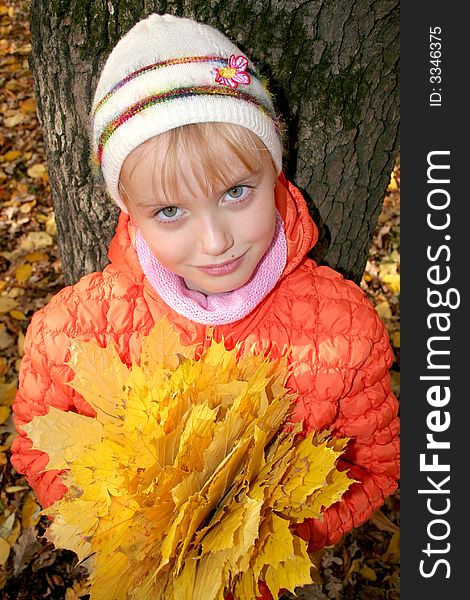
224	268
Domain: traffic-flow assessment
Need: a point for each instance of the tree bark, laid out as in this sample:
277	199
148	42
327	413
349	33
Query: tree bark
333	68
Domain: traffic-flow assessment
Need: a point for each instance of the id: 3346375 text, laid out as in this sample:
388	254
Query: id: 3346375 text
435	70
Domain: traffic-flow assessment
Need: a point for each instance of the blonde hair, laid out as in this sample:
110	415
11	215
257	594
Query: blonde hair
204	146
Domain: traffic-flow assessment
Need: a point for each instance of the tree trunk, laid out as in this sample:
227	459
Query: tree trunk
333	67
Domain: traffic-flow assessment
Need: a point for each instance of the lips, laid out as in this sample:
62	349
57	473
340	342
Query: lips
224	268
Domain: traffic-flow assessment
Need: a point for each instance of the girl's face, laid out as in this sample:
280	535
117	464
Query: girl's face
213	237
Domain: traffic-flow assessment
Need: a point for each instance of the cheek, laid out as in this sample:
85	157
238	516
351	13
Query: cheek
262	226
168	247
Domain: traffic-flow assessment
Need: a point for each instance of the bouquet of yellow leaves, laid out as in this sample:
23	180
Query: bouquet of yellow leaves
187	482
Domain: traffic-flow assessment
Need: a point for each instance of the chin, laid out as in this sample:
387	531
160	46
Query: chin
217	287
220	289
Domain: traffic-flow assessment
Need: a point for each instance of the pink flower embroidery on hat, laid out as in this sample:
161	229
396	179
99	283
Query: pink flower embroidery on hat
234	73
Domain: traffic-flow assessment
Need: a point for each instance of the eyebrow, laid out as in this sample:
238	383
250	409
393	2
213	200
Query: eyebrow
153	204
246	176
156	203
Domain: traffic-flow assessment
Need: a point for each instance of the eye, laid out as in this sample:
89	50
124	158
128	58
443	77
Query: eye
238	192
169	213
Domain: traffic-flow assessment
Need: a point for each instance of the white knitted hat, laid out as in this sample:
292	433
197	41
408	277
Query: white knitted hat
170	71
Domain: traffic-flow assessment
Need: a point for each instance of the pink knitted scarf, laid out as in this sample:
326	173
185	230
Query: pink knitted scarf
222	308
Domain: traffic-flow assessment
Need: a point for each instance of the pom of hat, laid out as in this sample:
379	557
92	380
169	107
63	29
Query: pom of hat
170	71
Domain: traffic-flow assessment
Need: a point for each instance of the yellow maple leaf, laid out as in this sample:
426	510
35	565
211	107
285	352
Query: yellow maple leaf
186	483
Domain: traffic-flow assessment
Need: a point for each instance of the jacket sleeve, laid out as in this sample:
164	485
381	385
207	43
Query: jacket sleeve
104	307
43	382
349	393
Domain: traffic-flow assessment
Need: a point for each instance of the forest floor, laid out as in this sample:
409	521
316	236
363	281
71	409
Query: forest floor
363	566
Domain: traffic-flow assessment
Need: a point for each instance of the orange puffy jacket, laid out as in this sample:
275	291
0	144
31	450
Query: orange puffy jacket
339	346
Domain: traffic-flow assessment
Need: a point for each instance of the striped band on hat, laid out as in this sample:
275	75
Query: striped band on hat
166	63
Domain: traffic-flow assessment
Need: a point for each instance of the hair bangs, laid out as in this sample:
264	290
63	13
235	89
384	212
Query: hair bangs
209	150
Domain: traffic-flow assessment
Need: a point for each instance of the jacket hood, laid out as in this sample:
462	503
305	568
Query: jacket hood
300	230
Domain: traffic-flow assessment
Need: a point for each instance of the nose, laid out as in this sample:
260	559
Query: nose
215	236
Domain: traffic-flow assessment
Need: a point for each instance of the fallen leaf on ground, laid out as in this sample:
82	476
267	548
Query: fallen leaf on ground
23	272
396	339
368	573
392	554
30	512
38	171
18	315
7	393
382	522
4	551
14	120
24	549
383	310
28	105
389	275
36	240
36	256
5	412
6	340
7	304
11	155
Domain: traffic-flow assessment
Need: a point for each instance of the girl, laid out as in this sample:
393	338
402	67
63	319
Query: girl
213	236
